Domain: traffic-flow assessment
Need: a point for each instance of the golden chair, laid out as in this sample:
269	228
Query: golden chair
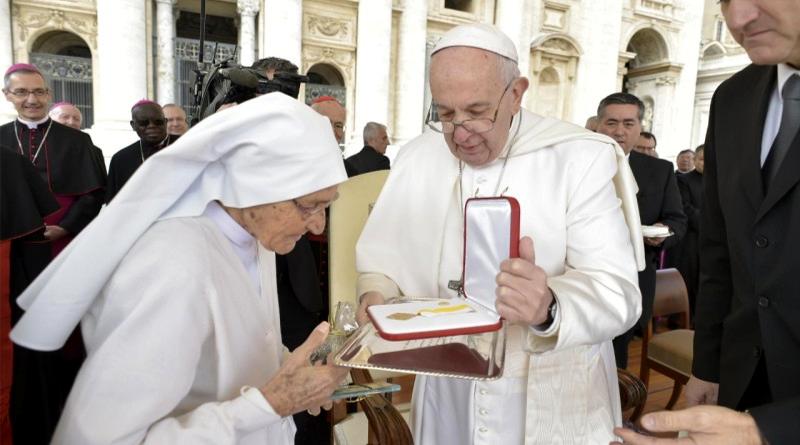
348	214
670	353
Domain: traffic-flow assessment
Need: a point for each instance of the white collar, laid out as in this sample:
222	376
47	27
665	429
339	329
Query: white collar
784	72
235	233
33	124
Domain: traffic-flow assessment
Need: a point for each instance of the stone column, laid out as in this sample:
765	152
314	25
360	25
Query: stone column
120	77
510	19
165	51
7	111
373	55
282	30
247	9
411	54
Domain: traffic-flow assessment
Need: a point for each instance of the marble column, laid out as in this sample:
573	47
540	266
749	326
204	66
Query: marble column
248	10
411	55
373	55
282	30
120	77
7	111
165	51
517	27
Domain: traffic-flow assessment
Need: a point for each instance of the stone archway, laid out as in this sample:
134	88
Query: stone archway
325	80
554	64
650	75
66	60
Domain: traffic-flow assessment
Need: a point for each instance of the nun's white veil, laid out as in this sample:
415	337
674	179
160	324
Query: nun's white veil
268	149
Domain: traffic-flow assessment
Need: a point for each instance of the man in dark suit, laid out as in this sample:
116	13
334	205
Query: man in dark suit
371	157
690	185
659	201
747	337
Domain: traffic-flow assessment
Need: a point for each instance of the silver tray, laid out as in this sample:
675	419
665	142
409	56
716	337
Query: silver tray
472	357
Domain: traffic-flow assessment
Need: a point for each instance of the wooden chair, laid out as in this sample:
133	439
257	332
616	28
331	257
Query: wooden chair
669	353
348	214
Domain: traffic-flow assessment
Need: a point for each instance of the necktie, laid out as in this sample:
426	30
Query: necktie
790	123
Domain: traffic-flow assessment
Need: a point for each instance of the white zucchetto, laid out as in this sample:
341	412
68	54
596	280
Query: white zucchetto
481	36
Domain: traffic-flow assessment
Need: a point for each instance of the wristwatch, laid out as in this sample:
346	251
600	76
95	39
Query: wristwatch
551	314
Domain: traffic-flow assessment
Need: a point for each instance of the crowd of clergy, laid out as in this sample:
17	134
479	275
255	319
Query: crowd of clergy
175	296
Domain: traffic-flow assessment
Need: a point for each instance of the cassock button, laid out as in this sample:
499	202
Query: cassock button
483	412
763	302
756	352
483	429
483	392
762	241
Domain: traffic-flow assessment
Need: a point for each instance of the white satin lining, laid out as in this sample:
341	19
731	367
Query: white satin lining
488	233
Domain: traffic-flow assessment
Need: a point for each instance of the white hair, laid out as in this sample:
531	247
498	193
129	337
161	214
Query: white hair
371	130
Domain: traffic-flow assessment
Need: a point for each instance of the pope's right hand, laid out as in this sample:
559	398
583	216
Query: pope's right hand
367	300
701	392
299	385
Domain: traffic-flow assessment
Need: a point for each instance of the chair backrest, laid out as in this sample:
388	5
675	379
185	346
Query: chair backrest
348	214
671	294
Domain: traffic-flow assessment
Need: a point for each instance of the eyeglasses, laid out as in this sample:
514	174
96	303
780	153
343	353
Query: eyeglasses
22	93
308	211
478	125
144	122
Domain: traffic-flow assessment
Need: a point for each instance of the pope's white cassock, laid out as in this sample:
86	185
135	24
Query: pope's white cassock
575	192
178	302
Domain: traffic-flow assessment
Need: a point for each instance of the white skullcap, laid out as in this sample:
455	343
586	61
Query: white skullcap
268	149
479	35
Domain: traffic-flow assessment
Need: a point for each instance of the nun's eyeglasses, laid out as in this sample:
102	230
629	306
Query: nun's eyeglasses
308	211
479	125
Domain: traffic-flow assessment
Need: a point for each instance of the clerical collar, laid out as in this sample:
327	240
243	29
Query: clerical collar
32	124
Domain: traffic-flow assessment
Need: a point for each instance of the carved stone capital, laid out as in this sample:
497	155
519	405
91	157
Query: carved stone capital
247	8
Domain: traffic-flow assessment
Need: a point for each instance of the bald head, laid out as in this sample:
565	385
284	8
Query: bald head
67	114
336	113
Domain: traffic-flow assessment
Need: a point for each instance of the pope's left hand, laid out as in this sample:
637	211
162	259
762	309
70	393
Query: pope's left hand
522	293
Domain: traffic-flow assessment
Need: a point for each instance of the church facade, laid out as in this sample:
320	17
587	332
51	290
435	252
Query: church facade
104	55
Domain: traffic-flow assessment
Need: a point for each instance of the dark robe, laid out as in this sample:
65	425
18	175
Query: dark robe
125	162
25	200
68	165
691	188
368	160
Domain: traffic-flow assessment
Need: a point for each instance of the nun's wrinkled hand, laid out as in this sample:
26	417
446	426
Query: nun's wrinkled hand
367	299
522	293
299	385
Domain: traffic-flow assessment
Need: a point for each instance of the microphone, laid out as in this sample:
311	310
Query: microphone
240	77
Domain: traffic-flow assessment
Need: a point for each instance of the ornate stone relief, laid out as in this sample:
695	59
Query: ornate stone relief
31	20
329	28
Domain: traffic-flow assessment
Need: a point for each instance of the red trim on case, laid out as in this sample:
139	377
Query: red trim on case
434	334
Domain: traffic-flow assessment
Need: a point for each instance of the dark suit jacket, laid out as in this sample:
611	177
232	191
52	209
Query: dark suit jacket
368	160
749	302
659	201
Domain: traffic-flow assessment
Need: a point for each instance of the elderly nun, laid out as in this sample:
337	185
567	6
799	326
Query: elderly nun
174	287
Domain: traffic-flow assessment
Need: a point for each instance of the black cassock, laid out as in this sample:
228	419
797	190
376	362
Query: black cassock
125	162
67	163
